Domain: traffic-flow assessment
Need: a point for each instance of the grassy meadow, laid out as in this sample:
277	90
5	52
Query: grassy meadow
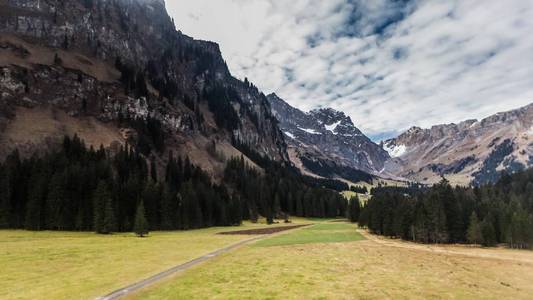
84	265
292	267
327	260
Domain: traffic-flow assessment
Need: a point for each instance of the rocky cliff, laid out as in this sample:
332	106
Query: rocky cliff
469	152
120	67
325	142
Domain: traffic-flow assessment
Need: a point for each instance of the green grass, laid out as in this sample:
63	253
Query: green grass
347	270
84	265
318	233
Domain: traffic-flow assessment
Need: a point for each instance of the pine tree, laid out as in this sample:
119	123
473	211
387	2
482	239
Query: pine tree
151	196
34	207
474	230
518	229
109	224
277	203
488	234
55	203
168	209
141	225
355	209
5	199
530	231
104	216
191	211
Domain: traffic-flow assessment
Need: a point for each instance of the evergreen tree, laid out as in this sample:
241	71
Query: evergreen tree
141	225
235	211
151	196
55	204
474	235
191	210
5	199
109	221
488	234
34	208
168	209
519	229
354	209
104	216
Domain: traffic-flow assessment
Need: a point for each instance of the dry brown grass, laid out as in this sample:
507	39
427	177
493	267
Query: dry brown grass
33	127
368	269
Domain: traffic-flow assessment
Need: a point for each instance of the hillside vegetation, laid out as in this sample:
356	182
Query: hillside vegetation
488	215
80	188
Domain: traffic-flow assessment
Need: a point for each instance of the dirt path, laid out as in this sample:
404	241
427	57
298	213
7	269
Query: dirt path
122	292
524	256
145	282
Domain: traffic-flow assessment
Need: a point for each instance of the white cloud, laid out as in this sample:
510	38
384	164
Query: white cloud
437	62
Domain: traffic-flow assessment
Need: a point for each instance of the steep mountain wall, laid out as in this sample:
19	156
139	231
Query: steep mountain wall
116	62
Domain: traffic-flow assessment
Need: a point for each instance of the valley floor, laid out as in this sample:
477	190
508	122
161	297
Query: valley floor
328	260
355	268
84	265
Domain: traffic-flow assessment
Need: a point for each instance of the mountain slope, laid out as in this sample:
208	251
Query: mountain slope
469	152
325	142
111	65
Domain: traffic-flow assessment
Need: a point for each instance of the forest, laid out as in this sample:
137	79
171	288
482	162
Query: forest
80	188
488	215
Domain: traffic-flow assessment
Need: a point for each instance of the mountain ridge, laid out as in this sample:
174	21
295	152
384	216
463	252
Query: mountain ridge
472	151
325	142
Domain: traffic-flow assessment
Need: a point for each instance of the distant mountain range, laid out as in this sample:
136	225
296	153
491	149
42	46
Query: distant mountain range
325	142
469	152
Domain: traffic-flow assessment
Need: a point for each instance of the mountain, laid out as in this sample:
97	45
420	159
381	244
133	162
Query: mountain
325	142
118	71
469	152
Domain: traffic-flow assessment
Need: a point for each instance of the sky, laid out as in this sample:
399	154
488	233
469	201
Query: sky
388	64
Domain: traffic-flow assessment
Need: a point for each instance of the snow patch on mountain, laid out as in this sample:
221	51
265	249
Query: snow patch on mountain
395	150
290	135
333	126
311	131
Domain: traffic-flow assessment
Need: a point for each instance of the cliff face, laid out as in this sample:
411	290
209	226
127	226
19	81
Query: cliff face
325	141
469	152
115	62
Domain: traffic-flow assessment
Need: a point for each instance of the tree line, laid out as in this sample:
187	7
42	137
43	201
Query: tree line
486	215
80	188
281	191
